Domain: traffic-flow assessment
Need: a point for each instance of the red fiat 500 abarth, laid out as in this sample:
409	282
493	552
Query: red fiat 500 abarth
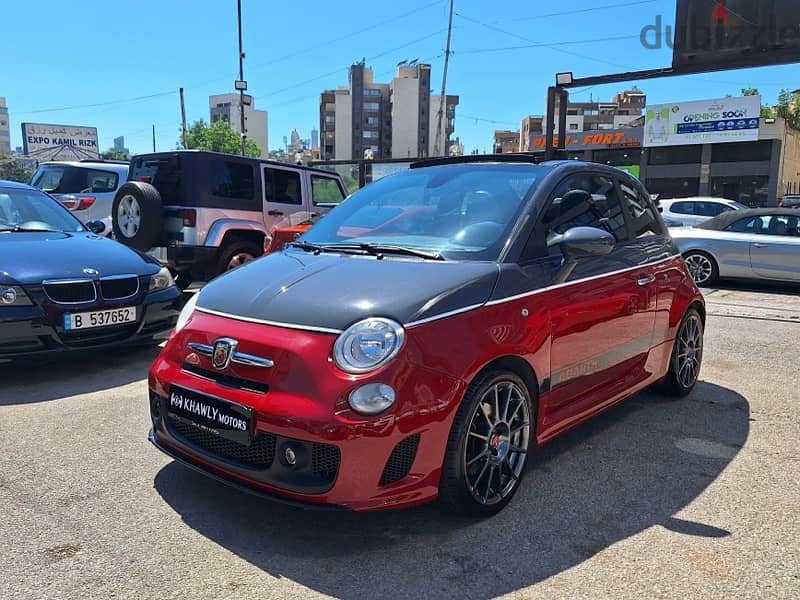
424	337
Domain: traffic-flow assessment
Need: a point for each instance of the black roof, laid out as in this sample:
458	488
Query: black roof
722	221
266	161
517	157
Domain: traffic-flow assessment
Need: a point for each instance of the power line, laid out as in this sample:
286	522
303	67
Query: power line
540	45
551	46
585	10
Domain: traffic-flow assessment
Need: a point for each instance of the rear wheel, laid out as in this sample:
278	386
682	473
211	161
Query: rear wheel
488	445
702	267
237	252
687	356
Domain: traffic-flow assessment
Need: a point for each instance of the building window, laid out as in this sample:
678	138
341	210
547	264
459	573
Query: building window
373	106
232	180
676	155
741	151
750	191
573	127
369	135
330	119
572	112
678	187
371	92
373	121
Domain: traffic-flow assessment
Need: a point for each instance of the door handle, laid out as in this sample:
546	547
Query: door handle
645	280
275	213
760	245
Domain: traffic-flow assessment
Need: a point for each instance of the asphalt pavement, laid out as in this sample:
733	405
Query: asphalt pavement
656	498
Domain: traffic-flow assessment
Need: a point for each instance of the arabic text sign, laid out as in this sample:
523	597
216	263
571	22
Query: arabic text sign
38	138
703	122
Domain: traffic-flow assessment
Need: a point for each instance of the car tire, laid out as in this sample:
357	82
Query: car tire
686	358
486	451
137	218
702	267
235	253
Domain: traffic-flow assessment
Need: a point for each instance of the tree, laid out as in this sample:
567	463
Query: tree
112	154
767	111
217	137
14	170
788	106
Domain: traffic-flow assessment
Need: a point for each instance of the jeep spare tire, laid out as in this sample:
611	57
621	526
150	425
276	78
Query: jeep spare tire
136	215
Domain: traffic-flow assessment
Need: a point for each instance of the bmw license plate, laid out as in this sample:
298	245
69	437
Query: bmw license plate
213	415
99	318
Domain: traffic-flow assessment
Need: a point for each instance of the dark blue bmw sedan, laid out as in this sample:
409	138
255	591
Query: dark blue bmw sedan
64	287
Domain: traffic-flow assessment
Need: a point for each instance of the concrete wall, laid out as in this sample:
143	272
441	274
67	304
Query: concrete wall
343	148
405	117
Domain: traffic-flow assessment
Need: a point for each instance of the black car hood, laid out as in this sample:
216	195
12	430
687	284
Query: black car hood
31	257
331	291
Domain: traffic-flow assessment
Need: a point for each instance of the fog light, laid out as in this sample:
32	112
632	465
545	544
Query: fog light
372	398
290	456
8	296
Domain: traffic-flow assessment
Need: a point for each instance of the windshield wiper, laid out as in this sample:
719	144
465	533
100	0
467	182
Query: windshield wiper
380	249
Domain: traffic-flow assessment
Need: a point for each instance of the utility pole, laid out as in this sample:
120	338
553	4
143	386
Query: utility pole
183	121
442	99
241	86
154	137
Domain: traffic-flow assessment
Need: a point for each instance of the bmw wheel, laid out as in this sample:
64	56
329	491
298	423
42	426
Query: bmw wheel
488	445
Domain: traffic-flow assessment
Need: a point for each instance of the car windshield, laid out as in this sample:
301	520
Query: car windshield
24	210
459	212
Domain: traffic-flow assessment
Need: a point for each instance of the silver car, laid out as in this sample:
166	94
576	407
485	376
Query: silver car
762	243
693	211
85	187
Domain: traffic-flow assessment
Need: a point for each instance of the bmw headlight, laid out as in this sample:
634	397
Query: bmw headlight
12	295
186	313
161	280
368	344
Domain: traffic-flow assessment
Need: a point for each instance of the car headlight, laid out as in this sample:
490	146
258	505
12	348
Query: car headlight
12	295
371	399
186	313
161	280
364	346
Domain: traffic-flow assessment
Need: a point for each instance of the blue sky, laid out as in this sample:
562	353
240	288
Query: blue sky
129	59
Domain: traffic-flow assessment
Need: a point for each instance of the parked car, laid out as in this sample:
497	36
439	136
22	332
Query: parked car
789	202
85	187
427	335
203	213
65	287
691	211
759	243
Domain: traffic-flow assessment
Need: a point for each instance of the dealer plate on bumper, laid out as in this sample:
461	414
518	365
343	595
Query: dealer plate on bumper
214	415
100	318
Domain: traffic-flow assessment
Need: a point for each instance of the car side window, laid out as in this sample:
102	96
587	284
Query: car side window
325	190
232	180
282	186
585	200
100	181
640	211
748	225
781	225
682	208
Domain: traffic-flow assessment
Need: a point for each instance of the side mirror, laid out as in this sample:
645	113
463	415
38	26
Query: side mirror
578	243
96	227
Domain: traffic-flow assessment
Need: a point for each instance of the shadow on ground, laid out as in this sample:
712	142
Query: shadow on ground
73	374
757	286
632	468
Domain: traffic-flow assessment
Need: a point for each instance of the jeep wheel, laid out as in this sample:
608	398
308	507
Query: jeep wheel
136	215
236	253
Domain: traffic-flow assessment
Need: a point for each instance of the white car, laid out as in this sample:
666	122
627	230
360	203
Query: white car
85	187
692	211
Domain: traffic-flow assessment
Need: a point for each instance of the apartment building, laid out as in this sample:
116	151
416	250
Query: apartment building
227	107
505	141
399	119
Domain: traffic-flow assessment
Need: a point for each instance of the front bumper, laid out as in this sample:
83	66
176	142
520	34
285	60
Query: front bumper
387	461
37	331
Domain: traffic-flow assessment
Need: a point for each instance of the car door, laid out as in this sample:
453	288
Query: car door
602	324
685	212
283	196
775	248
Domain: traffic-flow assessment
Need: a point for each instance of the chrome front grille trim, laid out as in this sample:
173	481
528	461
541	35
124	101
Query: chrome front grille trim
117	277
241	358
57	282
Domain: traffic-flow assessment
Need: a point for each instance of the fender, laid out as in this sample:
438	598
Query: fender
217	231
